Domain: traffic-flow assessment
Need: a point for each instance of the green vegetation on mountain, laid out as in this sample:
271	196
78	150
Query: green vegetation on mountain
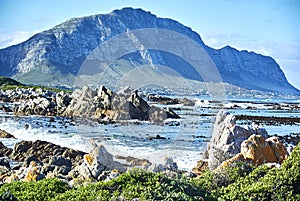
11	84
238	182
5	81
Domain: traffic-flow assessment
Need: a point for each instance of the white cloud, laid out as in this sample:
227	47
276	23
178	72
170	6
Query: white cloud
8	39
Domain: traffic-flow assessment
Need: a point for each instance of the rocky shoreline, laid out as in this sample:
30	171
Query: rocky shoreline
41	159
230	142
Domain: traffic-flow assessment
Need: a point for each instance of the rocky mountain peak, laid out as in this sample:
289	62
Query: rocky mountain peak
56	55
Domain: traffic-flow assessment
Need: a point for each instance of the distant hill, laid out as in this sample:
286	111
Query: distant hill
54	57
5	81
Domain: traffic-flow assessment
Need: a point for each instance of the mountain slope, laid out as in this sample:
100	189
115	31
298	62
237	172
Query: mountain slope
56	55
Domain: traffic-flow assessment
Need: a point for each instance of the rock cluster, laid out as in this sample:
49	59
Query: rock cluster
169	101
38	101
101	104
40	150
40	159
231	142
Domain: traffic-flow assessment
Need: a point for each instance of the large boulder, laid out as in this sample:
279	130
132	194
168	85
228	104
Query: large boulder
261	150
103	103
227	138
95	164
257	150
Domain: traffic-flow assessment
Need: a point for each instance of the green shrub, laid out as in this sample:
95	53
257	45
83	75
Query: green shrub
40	190
264	183
140	184
237	182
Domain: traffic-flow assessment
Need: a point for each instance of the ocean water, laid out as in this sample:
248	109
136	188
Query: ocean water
185	139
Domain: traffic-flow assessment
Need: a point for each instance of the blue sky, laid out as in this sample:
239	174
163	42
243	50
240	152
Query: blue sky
263	26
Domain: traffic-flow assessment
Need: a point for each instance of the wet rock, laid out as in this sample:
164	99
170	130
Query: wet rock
6	109
187	102
60	161
5	151
4	134
4	163
162	100
157	137
43	150
31	158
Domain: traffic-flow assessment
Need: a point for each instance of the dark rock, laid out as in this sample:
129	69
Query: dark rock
43	150
30	158
162	100
60	161
4	134
4	162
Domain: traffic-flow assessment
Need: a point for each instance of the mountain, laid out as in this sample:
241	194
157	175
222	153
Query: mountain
56	56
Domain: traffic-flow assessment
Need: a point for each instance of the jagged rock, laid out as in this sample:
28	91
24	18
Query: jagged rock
4	134
95	163
99	155
4	163
60	161
103	103
33	173
62	101
157	115
226	139
30	158
5	151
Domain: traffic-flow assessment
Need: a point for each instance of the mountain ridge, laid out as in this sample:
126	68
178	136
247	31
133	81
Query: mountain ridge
57	54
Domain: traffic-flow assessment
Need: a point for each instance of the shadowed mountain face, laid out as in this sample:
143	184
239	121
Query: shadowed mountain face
55	56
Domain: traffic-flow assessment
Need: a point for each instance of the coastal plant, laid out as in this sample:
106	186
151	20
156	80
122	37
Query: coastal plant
41	190
236	182
265	183
141	184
